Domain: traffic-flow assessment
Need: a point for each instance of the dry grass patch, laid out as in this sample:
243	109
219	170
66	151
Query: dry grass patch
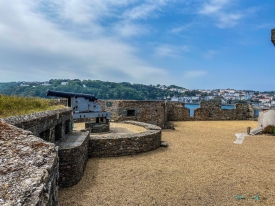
201	166
17	105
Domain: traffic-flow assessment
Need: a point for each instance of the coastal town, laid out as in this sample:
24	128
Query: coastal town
226	96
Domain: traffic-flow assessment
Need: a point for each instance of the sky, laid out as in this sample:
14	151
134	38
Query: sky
195	44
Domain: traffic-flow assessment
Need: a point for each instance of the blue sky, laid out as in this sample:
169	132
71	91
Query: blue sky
196	44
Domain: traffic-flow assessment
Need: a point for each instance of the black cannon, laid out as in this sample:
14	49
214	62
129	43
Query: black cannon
83	105
70	94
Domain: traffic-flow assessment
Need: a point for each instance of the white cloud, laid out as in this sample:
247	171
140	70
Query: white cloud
194	74
218	10
210	54
213	6
171	50
140	12
264	25
34	48
86	11
146	10
228	20
128	29
185	27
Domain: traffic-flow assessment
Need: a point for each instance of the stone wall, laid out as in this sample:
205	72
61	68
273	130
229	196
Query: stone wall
127	144
176	111
49	125
213	111
152	112
73	156
161	112
28	168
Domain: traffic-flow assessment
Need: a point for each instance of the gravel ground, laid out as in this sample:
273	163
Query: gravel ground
201	166
119	128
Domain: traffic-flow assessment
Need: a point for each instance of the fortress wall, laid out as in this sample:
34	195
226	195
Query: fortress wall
73	157
213	111
161	112
28	168
127	144
177	112
152	112
49	125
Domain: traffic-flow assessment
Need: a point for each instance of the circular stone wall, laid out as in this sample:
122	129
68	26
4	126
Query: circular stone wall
122	144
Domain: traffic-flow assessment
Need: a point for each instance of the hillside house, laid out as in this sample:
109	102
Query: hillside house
175	99
264	100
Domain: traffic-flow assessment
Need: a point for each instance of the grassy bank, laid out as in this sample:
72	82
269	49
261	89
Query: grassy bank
15	105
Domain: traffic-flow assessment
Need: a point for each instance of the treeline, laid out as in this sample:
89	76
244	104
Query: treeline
101	89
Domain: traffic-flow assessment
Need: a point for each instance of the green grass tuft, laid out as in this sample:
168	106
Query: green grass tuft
15	105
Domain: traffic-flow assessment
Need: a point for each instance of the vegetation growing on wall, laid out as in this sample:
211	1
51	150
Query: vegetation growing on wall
14	105
270	129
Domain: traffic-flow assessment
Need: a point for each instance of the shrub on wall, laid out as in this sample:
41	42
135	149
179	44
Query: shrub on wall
270	129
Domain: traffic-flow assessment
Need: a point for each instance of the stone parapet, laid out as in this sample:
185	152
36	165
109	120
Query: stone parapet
28	168
49	125
161	112
73	156
127	144
152	112
142	124
176	111
213	111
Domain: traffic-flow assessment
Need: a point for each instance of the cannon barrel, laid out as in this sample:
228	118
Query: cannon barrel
70	94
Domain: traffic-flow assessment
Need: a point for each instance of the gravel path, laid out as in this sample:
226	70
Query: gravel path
201	166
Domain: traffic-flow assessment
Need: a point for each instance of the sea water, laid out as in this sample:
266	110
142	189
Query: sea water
192	107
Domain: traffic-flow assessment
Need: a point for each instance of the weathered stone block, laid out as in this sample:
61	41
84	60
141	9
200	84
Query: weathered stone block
127	144
73	156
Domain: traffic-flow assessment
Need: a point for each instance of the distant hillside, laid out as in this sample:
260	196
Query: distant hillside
101	89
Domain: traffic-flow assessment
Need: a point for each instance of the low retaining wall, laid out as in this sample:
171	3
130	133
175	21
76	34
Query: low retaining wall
128	144
73	157
28	168
49	125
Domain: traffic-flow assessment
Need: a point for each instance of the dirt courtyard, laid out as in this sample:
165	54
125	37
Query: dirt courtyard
201	166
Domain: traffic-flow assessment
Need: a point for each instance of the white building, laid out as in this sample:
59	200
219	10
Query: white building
175	99
208	98
45	84
264	100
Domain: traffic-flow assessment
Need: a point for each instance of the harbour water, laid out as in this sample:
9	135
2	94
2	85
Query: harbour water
192	107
